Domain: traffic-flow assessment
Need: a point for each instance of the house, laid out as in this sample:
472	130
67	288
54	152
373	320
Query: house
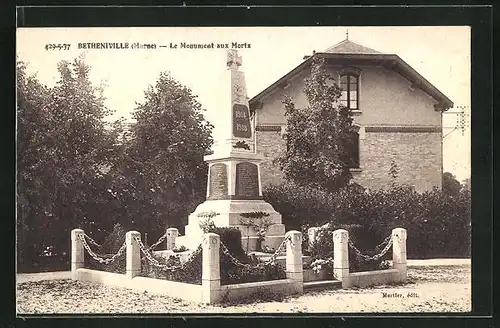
397	114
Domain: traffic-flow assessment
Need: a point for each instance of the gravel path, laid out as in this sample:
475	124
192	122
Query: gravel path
430	289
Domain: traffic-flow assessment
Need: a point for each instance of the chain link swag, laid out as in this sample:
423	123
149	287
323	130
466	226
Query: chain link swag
387	241
92	241
171	268
97	257
162	238
235	261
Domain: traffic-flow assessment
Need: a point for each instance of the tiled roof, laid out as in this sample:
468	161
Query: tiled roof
349	47
351	51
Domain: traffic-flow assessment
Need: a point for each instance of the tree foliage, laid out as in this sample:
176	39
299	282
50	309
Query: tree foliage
438	224
63	146
317	136
76	170
451	185
162	175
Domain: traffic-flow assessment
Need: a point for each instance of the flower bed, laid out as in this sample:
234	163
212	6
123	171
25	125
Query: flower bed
117	266
187	272
321	251
245	270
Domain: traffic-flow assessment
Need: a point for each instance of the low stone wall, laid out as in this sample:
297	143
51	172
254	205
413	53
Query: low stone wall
372	278
210	291
283	286
398	272
189	292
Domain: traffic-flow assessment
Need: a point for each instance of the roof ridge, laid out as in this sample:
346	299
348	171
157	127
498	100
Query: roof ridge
336	45
348	46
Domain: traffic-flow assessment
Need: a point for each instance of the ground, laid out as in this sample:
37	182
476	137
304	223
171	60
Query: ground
439	286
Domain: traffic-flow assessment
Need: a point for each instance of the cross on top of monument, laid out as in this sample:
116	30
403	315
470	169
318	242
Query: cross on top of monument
233	60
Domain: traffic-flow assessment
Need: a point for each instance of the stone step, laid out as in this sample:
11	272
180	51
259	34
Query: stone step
322	285
310	275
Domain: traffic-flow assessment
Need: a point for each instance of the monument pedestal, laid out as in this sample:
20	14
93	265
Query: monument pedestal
234	188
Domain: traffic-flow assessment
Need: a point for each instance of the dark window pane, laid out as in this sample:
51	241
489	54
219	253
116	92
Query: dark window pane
353	150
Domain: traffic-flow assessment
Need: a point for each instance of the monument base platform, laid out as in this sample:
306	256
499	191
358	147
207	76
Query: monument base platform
229	214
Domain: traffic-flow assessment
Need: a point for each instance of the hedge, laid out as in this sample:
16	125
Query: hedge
438	224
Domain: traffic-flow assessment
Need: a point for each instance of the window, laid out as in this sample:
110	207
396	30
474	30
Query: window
349	85
352	150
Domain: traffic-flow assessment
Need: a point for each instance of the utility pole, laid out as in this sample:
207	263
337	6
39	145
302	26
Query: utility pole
462	122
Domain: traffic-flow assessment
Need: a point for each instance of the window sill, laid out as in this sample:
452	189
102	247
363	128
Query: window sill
356	112
355	170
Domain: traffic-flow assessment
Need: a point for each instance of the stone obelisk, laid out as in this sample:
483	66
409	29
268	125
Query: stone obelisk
234	186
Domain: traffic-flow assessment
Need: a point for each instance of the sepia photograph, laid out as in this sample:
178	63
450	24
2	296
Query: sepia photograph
177	170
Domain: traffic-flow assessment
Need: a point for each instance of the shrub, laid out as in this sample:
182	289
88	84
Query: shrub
230	273
190	273
235	274
299	205
109	247
117	266
321	251
231	238
114	241
179	249
437	223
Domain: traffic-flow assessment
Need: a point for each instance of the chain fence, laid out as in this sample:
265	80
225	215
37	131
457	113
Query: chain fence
387	242
160	240
99	258
149	256
272	259
171	268
92	241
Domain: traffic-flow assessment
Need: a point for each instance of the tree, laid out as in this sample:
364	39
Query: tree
318	136
466	184
162	175
64	148
393	173
32	96
451	185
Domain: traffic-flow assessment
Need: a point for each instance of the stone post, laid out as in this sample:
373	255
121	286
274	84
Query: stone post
341	256
172	234
312	233
77	252
399	251
294	269
210	277
133	254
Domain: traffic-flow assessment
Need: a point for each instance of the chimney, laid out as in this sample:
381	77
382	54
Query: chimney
307	56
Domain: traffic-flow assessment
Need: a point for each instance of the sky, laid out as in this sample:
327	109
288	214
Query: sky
440	54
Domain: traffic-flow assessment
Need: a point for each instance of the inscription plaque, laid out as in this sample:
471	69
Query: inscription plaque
241	121
247	180
218	181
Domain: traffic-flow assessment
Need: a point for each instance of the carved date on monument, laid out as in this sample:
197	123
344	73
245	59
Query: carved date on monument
218	181
247	180
241	121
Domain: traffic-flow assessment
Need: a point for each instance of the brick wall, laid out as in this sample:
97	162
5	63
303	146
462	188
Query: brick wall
417	155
